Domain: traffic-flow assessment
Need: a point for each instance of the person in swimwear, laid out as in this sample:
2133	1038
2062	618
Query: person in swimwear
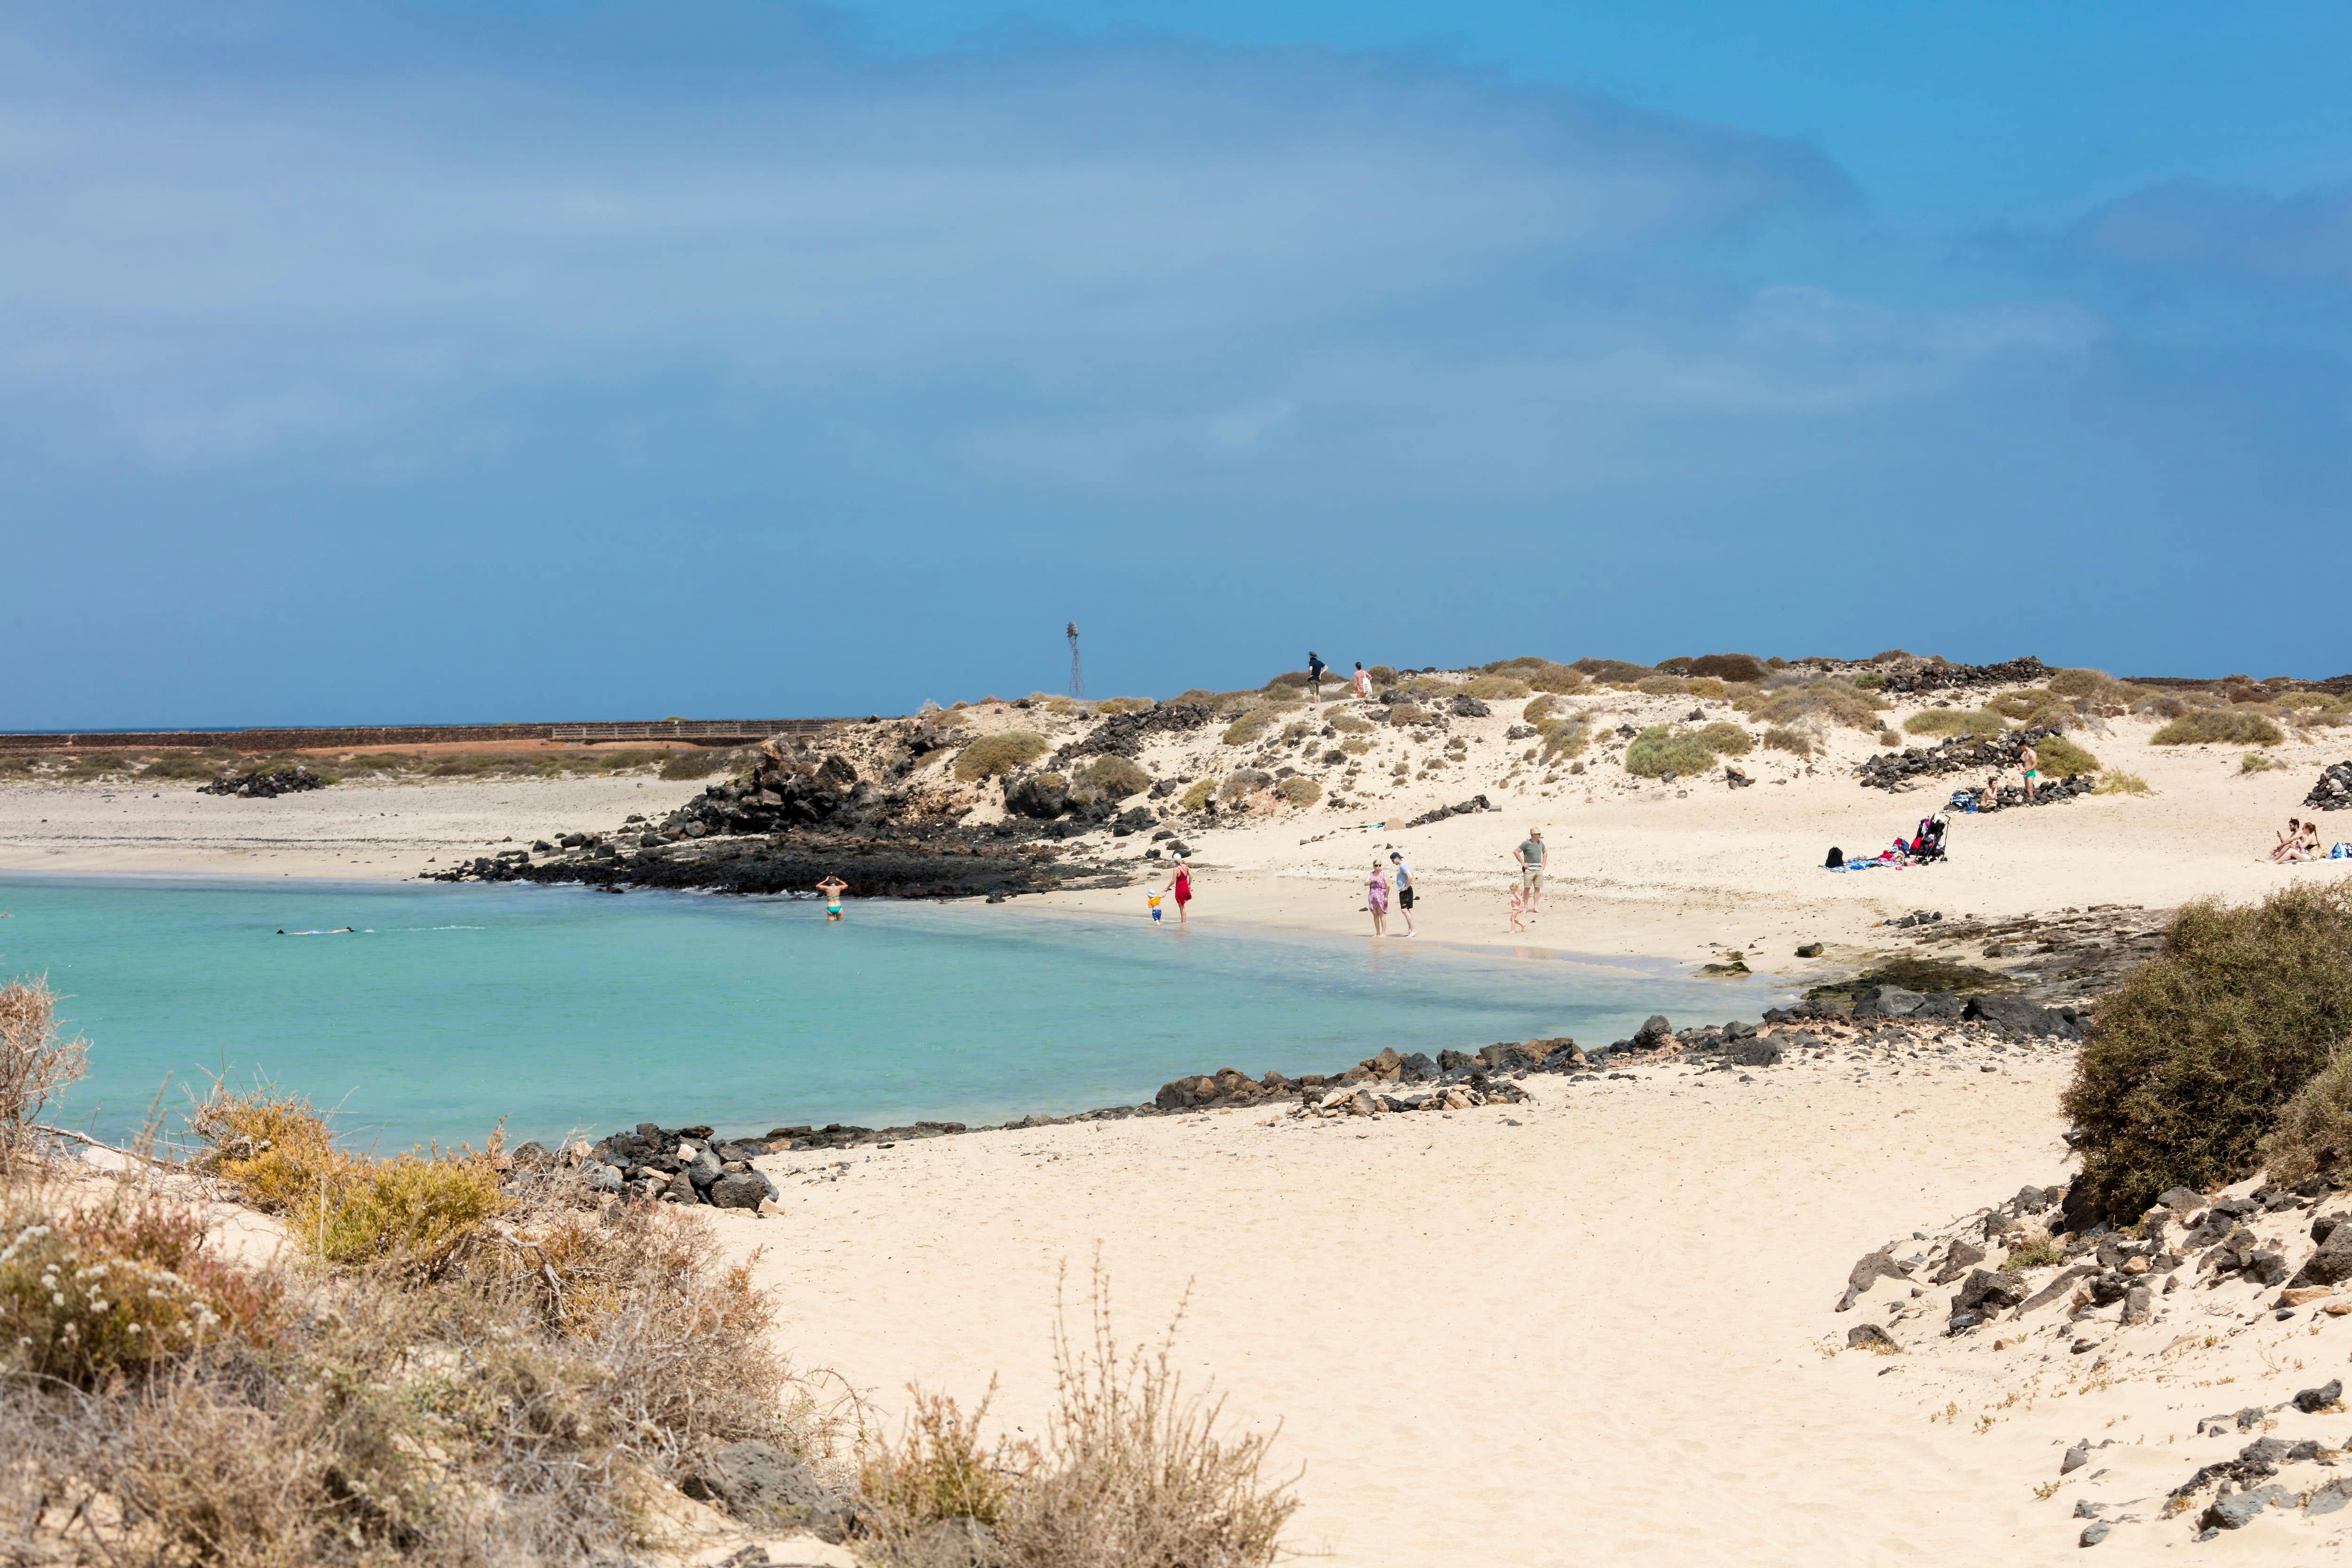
833	887
2031	764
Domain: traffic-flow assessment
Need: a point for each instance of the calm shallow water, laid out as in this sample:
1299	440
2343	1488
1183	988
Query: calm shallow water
559	1009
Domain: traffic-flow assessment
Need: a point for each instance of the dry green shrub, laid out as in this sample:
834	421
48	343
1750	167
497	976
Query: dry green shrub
696	764
2313	1135
2039	1252
274	1150
993	756
1355	748
1250	726
1952	722
1198	796
2081	682
1736	668
93	1291
1404	713
1564	737
1658	750
1869	680
1727	739
1244	782
1796	743
35	1060
1133	1470
1557	678
1114	777
2192	1058
2062	759
1707	688
1818	698
1609	671
2255	763
2218	726
1542	708
2160	705
1663	686
1123	705
1496	687
2115	781
1299	790
1349	723
1382	675
1889	738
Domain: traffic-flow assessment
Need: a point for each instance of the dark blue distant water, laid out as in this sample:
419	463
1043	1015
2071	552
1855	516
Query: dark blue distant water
559	1009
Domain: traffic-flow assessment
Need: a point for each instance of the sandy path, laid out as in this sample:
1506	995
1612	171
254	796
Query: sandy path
1591	1337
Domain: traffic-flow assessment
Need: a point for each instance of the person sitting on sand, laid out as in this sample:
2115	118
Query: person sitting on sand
1991	799
1376	897
1516	906
2307	843
831	887
2288	840
2031	764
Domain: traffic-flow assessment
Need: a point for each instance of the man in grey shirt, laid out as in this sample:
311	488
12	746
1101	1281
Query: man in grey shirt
1530	857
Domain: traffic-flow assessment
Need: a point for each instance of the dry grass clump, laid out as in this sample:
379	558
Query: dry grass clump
1564	737
1663	686
2115	781
2159	705
1727	739
2036	706
1659	753
1796	743
2062	759
2255	763
993	756
1198	796
1244	782
2218	726
2193	1056
1610	671
1123	705
35	1060
1349	723
1404	713
2039	1252
1496	687
1738	668
1787	700
1114	778
1250	726
1299	790
1952	722
1542	708
2313	1135
1132	1471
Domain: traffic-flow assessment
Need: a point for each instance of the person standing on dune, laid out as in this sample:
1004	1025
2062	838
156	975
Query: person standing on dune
1362	682
1315	670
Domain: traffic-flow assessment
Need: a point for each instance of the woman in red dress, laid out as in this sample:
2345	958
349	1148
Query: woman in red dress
1183	888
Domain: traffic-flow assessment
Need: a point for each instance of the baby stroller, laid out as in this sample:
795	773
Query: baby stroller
1929	843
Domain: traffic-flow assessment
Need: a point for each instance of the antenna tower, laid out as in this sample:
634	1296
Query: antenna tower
1078	670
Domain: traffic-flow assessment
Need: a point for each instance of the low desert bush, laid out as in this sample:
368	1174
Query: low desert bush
2037	1252
1114	778
180	765
2194	1054
2255	763
1494	688
1820	698
1727	739
1349	723
1952	722
1289	683
2160	705
1198	796
1382	675
1889	738
1404	713
2115	781
699	764
1564	737
1355	748
1730	667
1299	790
1542	708
1611	670
1868	680
2034	706
1123	705
1559	678
37	1060
1663	686
1132	1471
1796	743
1250	726
1244	782
2313	1135
2062	759
993	756
2218	726
2081	682
1659	750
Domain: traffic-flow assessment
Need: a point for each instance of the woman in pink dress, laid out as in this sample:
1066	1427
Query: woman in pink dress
1376	899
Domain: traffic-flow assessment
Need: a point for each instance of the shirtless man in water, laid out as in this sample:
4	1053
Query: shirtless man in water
833	887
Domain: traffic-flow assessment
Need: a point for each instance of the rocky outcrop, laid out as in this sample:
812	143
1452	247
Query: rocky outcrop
1929	676
2333	790
264	784
1980	755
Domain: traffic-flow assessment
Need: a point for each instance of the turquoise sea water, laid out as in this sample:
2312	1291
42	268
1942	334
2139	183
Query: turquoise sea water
559	1008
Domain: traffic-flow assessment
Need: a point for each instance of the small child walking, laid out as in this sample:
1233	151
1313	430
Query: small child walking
1517	905
1152	898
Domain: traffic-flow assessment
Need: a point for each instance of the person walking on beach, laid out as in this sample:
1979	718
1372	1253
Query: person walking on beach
1376	897
1530	857
1183	888
1360	681
1315	670
831	887
2031	764
1404	887
1515	907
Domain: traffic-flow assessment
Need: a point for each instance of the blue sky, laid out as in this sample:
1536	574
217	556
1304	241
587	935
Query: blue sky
480	361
